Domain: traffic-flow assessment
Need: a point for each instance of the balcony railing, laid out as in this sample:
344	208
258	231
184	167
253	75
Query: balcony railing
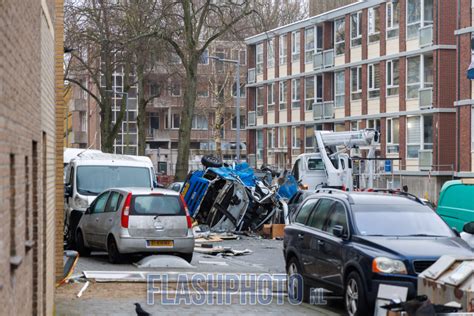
328	56
251	75
426	98
318	61
323	110
252	120
426	36
425	159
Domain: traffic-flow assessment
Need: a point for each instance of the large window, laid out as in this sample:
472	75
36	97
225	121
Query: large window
295	46
373	80
339	88
270	54
340	36
356	83
260	100
234	122
413	77
176	121
392	77
309	93
419	134
271	97
200	122
309	44
419	14
282	49
282	98
393	131
374	124
259	136
374	24
295	93
259	52
356	29
393	15
310	138
282	140
427	132
295	137
271	138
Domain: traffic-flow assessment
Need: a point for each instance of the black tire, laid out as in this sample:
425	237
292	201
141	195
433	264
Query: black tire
355	297
81	248
211	162
70	230
113	251
187	256
294	267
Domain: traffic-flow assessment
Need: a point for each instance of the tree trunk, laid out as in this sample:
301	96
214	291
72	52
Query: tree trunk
189	100
219	126
141	117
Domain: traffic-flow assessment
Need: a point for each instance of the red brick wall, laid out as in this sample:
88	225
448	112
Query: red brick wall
444	35
402	23
445	77
445	147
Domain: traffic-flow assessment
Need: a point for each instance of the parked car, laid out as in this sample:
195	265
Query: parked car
350	243
136	220
176	186
457	211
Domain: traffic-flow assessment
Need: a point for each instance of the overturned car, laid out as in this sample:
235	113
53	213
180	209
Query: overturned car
237	198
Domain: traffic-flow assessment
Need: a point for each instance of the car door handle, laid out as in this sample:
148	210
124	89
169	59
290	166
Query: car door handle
300	236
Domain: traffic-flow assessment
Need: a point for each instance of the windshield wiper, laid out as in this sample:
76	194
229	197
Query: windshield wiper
421	235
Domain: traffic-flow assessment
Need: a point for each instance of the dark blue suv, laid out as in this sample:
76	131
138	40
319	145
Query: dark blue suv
350	243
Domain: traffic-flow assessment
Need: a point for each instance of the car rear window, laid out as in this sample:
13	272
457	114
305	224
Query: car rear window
168	205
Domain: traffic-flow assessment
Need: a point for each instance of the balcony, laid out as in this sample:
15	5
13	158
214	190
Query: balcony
426	36
328	56
426	98
318	61
251	76
323	110
252	118
77	105
425	159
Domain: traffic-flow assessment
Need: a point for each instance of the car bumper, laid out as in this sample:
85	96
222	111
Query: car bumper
140	245
407	281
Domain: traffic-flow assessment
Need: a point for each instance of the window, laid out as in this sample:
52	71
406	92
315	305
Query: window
339	85
309	93
199	122
392	77
340	36
316	164
356	83
153	123
282	50
373	25
234	122
282	140
309	44
355	126
259	54
295	137
305	210
100	201
283	88
295	46
374	124
295	93
114	201
271	138
270	54
83	120
155	89
413	77
393	15
393	130
319	88
318	218
337	218
203	92
271	97
319	38
427	71
413	136
234	90
259	144
243	57
176	120
260	100
427	132
374	80
356	29
309	141
175	89
419	14
204	59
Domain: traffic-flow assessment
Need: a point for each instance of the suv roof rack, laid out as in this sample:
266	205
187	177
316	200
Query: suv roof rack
401	193
332	190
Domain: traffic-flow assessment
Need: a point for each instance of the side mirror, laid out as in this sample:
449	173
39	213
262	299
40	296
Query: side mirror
88	210
469	228
67	191
338	231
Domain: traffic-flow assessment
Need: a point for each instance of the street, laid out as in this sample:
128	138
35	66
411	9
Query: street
117	298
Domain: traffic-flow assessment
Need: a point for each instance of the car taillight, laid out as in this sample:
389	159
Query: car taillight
126	211
188	218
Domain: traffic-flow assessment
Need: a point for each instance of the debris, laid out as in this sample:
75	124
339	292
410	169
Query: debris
163	261
224	251
201	231
207	246
70	257
86	285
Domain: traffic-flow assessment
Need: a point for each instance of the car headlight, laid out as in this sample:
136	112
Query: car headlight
387	265
80	203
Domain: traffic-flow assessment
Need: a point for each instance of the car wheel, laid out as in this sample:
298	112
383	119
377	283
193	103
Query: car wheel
355	296
293	267
81	248
113	251
211	162
187	256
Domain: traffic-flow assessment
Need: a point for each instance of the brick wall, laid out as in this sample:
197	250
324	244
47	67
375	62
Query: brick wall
27	130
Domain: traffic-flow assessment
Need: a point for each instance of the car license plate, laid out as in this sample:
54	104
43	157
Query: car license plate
160	243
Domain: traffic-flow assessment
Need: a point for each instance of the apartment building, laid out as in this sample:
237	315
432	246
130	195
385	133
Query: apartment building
383	64
316	7
29	38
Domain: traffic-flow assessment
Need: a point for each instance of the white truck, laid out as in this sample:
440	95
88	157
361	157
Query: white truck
91	172
331	166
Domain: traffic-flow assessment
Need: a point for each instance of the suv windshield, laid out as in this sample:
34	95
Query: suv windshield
91	180
398	220
156	205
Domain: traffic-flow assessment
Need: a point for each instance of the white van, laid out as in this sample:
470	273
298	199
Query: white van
71	153
91	173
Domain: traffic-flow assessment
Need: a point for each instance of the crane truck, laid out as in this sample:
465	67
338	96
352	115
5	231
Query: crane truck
331	166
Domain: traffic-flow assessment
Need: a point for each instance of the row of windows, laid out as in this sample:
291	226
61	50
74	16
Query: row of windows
199	122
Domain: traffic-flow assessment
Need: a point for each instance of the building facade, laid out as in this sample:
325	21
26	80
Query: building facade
383	64
317	7
27	155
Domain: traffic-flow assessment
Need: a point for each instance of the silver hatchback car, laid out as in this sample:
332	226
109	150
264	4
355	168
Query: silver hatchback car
136	220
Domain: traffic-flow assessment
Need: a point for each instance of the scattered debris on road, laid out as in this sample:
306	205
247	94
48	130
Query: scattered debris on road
162	261
83	289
